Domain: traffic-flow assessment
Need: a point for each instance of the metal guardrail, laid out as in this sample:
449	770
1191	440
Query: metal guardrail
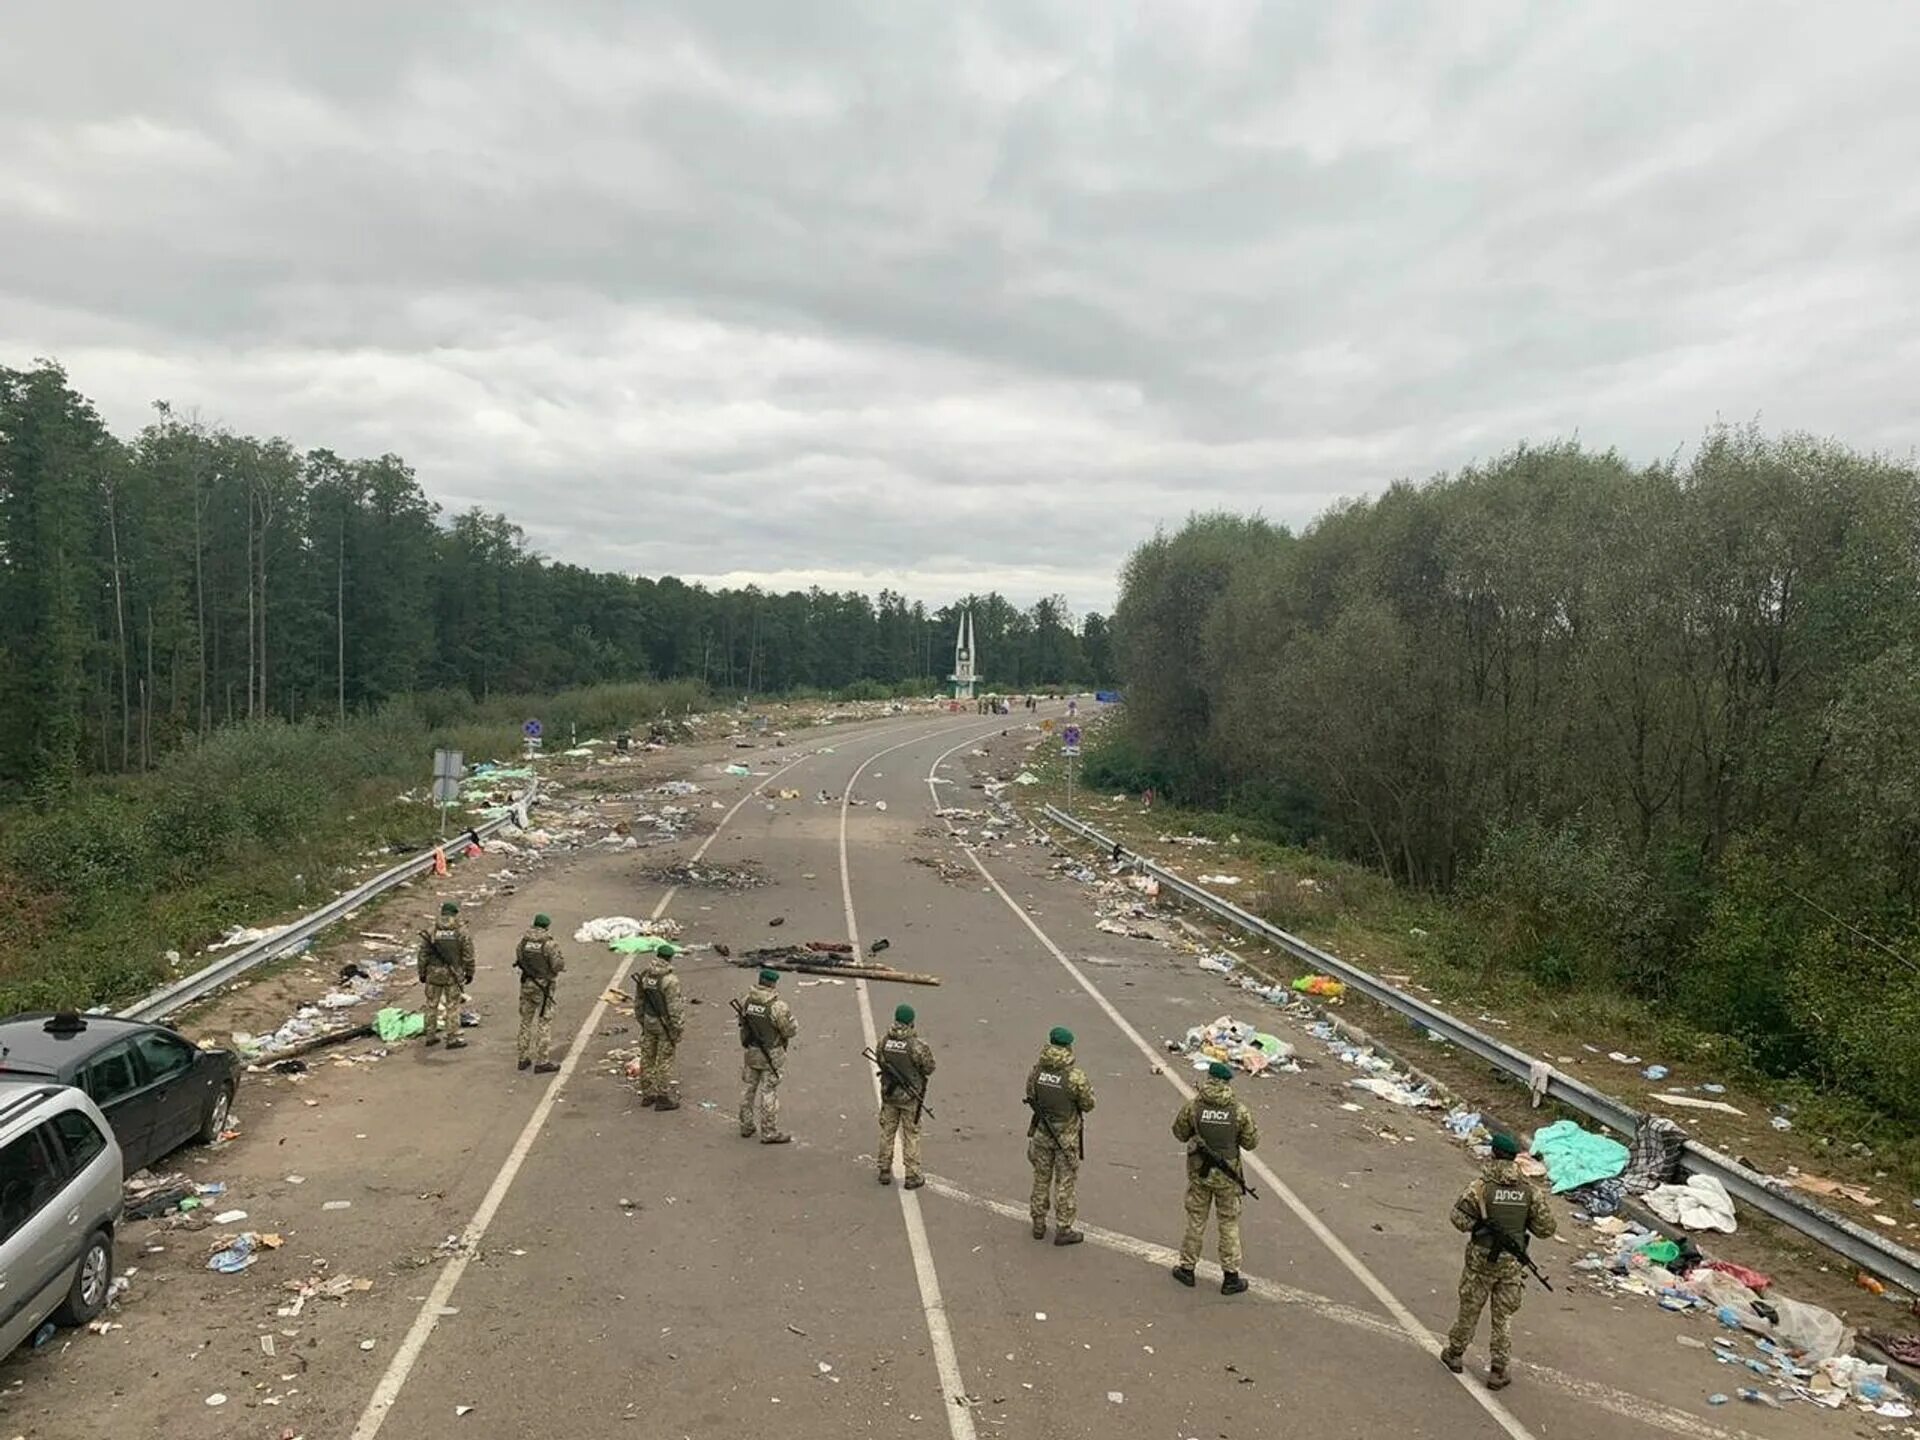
1871	1252
183	992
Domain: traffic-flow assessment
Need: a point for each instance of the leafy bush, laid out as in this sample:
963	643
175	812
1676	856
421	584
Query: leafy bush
1561	906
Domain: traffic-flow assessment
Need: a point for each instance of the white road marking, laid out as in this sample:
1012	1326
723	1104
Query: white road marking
1501	1416
946	1359
387	1392
1620	1402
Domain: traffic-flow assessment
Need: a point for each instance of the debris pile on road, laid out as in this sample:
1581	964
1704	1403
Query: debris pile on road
1804	1353
321	1286
1240	1045
320	1023
707	875
608	928
826	957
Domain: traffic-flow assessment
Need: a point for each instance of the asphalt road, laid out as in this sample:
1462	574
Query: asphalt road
627	1273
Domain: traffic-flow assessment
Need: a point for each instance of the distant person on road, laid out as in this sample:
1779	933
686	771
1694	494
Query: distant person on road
656	990
1506	1202
1073	707
538	959
767	1027
446	968
1058	1093
906	1064
1215	1126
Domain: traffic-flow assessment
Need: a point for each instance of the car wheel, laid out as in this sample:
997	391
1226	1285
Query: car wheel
214	1125
91	1283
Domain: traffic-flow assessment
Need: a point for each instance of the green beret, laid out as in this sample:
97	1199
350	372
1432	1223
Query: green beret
1220	1070
541	922
1060	1036
1505	1147
903	1014
447	907
666	952
769	977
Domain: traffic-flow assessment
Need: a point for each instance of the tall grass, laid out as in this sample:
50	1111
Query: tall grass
98	882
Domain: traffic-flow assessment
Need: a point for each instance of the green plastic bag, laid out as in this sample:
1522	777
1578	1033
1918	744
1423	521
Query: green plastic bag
393	1024
1661	1252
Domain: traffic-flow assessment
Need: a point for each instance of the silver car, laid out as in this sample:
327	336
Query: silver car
60	1199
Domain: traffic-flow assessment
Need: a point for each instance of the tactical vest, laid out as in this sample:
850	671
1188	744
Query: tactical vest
653	995
1052	1098
903	1071
536	960
757	1026
446	946
1508	1207
1218	1125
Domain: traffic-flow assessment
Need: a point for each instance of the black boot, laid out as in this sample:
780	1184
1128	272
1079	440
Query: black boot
545	1067
1232	1283
1184	1274
525	1065
666	1102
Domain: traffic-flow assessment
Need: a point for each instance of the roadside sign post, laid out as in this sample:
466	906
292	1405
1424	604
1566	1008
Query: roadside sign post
1070	747
532	732
449	767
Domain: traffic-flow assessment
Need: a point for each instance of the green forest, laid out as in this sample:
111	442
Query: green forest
1648	729
157	586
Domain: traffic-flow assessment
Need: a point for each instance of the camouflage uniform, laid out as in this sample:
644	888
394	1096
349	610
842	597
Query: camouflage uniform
1503	1197
899	1111
538	959
772	1023
446	968
1056	1168
1228	1126
662	1013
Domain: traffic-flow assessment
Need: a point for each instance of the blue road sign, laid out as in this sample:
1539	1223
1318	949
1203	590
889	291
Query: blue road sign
531	729
1070	739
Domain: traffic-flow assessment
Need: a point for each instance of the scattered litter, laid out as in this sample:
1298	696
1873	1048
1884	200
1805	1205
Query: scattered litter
1656	1072
1115	1397
1694	1102
1820	1185
609	928
237	1256
1781	1122
1395	1091
337	1205
1324	986
229	1217
366	1344
216	1399
1238	1044
1219	879
1623	1058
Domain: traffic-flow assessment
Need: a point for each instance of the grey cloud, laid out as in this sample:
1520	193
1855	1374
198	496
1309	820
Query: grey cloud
749	288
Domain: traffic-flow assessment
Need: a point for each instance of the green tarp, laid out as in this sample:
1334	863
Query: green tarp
1575	1158
394	1024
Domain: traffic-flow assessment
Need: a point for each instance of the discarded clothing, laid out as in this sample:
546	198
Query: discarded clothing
1322	985
1398	1093
1700	1204
1575	1157
1657	1146
1752	1279
1600	1199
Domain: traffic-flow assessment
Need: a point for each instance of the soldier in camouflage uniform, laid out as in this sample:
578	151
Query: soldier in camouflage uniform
538	959
446	968
1502	1200
1215	1126
1058	1093
656	991
906	1063
767	1027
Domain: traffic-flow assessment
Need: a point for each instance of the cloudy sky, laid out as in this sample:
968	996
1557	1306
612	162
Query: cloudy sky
956	295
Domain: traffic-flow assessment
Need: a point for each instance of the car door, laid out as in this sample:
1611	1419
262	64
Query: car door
113	1081
177	1086
35	1263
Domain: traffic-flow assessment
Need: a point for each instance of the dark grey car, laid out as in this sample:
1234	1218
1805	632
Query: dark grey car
157	1091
